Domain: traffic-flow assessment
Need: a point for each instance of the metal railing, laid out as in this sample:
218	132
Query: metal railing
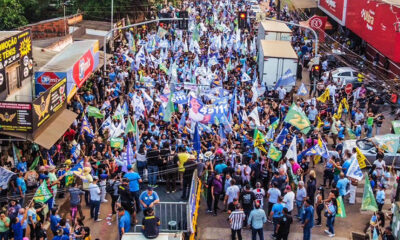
173	216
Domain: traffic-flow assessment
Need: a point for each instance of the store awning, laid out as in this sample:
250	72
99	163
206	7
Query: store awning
303	4
50	133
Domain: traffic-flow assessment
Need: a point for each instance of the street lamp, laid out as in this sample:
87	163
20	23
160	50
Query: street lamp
65	3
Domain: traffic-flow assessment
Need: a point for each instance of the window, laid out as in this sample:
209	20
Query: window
345	74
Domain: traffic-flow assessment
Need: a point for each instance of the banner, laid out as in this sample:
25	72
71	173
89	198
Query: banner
49	103
16	117
354	171
296	117
341	211
5	176
274	153
45	80
42	194
179	97
361	158
396	126
207	114
388	142
16	48
336	9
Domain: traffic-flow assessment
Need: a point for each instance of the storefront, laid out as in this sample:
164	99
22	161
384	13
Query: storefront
16	62
75	64
42	121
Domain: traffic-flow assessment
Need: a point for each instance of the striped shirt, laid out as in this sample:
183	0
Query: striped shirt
237	218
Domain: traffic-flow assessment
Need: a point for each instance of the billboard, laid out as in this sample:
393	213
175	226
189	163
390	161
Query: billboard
17	48
47	104
16	117
335	9
45	80
83	68
377	24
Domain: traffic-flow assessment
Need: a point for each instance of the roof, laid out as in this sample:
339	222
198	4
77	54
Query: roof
6	34
41	57
302	4
272	26
392	2
279	49
98	25
68	57
43	43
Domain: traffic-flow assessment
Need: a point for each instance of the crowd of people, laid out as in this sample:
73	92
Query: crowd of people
174	102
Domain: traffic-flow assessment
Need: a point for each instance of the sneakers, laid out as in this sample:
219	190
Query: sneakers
209	211
327	232
99	220
155	186
168	192
331	235
318	225
105	200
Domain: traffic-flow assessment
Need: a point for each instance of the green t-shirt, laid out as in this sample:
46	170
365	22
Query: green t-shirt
3	227
370	121
53	178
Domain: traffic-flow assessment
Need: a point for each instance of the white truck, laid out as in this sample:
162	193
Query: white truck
161	236
271	30
276	59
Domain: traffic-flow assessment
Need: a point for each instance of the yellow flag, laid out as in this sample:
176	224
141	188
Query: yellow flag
324	96
361	159
345	104
338	114
320	123
316	159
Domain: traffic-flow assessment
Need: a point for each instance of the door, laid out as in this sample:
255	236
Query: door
12	78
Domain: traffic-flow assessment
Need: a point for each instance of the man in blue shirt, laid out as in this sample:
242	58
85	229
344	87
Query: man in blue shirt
277	212
22	165
149	198
54	221
256	220
342	184
124	223
308	219
134	181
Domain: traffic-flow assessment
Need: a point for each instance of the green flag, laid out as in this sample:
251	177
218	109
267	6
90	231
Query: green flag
396	126
274	153
389	142
94	112
351	133
35	163
69	178
117	143
196	34
163	68
341	211
296	117
42	193
129	126
368	200
169	109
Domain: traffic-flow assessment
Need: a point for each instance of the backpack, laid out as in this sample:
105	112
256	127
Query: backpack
110	188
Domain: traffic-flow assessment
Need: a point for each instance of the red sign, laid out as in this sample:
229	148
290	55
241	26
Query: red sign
83	68
48	79
317	22
378	24
349	88
334	8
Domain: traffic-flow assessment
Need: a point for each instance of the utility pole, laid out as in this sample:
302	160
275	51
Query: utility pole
112	14
65	22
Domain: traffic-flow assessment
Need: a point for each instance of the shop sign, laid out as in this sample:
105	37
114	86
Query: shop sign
16	116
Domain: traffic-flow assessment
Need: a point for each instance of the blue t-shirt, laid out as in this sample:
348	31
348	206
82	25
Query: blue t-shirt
133	181
277	209
22	166
220	168
21	183
380	196
342	185
18	232
54	220
125	222
148	199
346	165
309	214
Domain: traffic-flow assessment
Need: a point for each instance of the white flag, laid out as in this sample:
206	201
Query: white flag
292	151
354	171
5	176
254	115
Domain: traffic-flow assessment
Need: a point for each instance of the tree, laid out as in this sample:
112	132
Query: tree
11	15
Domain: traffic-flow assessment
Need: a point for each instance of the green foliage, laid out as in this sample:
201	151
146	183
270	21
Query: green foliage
11	14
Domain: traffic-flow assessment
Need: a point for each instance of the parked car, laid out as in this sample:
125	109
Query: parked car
255	9
369	150
252	2
344	75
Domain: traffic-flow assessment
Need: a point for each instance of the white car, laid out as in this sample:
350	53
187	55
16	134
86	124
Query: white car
252	2
255	8
344	75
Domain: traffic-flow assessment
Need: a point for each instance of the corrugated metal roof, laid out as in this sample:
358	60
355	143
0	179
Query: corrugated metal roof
278	49
64	60
272	26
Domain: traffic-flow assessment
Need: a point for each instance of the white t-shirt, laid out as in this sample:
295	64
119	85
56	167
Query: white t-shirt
379	165
260	194
282	93
332	89
232	192
288	199
274	193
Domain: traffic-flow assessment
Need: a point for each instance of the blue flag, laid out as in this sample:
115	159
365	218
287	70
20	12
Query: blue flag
78	166
282	135
287	79
86	127
196	139
51	163
182	122
302	90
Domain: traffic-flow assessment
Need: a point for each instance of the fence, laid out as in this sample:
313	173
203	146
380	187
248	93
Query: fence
173	216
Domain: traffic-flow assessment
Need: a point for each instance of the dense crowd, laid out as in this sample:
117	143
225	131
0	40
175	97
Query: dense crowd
173	102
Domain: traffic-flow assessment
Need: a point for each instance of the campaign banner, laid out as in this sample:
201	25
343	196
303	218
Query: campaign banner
179	97
45	80
16	48
49	103
16	117
207	114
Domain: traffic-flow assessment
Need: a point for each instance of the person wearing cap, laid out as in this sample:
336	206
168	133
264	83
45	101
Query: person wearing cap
288	199
95	196
149	198
307	220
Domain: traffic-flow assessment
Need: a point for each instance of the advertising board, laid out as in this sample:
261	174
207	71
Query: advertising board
335	9
45	80
16	117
